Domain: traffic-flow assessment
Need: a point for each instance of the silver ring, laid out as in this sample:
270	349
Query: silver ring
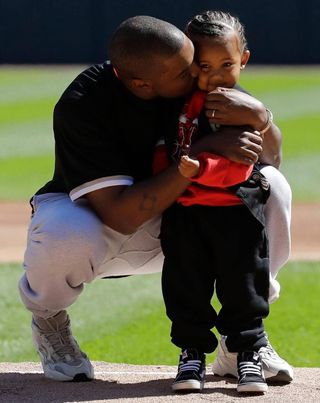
213	113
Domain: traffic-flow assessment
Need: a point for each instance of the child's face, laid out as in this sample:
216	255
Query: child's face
220	60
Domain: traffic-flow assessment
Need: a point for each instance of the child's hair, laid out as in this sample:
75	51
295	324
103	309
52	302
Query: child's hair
215	23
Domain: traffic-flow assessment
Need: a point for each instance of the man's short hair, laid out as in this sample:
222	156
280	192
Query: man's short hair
140	41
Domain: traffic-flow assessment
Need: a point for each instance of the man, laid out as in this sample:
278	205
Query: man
99	215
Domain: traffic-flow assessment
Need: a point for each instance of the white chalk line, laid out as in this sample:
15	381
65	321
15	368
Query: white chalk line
148	373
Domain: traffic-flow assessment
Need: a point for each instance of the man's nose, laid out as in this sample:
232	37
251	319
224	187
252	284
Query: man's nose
194	70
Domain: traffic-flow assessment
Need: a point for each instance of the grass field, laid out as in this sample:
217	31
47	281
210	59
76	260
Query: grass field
28	95
123	320
130	325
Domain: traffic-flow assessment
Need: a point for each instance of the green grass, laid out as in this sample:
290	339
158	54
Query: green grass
26	173
293	95
28	95
124	320
270	79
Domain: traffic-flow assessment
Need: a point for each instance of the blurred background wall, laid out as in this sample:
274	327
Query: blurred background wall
78	31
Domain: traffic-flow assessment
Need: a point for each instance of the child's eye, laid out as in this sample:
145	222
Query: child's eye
228	64
204	67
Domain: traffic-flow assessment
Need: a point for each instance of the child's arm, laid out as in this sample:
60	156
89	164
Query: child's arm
188	167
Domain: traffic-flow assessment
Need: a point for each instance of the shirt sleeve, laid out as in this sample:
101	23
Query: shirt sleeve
88	152
217	171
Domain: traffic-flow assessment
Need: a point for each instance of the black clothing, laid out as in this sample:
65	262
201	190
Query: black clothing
226	248
102	130
254	193
223	247
191	371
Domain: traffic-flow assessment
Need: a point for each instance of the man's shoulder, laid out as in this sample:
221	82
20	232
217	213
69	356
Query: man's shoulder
89	83
88	90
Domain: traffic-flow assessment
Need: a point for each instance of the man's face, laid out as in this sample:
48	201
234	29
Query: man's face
177	77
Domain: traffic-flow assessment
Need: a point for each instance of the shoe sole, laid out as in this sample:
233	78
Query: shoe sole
61	377
81	378
281	376
58	376
187	386
252	388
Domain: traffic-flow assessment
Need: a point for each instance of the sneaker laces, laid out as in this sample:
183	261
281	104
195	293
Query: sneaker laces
249	368
61	340
190	365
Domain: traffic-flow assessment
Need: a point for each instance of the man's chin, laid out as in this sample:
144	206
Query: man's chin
192	89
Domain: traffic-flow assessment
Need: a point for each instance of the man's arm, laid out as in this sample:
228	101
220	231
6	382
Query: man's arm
236	143
237	108
125	208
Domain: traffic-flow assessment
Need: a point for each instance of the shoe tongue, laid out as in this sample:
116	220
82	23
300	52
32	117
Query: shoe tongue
249	356
55	322
45	324
190	354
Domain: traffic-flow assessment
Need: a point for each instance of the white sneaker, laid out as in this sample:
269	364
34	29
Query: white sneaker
275	368
61	357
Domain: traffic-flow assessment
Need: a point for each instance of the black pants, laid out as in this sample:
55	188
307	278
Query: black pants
221	247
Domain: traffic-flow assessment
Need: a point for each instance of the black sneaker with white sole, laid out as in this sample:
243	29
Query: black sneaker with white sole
191	372
250	373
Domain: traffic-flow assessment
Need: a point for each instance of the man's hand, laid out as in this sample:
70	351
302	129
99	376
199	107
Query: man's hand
238	144
228	106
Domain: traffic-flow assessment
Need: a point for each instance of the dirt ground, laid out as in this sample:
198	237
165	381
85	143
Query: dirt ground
14	218
24	382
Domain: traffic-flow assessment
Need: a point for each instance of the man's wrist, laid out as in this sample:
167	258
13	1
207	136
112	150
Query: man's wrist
268	122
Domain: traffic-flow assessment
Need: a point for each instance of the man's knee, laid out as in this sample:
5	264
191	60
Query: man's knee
280	189
278	220
67	237
65	248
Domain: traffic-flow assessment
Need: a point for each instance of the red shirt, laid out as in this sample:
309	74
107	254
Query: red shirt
216	173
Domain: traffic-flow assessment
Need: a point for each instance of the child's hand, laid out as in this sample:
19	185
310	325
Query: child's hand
188	167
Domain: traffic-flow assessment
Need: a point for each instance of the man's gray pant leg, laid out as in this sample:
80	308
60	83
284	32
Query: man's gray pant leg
278	221
64	248
68	246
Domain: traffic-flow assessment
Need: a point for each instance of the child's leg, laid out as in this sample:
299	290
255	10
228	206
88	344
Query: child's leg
243	287
188	279
242	280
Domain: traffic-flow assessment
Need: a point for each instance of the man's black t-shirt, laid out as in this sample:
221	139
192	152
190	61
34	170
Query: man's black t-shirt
104	135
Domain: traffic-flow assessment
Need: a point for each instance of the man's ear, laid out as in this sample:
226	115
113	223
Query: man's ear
142	86
244	59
